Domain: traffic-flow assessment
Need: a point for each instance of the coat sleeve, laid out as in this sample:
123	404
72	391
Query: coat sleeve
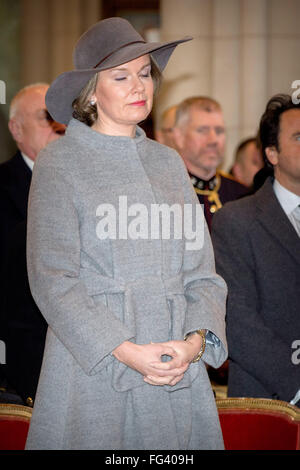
90	332
249	338
205	290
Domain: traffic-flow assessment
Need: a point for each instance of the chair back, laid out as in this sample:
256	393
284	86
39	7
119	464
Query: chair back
14	425
259	424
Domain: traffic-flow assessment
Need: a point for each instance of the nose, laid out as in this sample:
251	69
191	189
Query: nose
212	136
138	85
58	128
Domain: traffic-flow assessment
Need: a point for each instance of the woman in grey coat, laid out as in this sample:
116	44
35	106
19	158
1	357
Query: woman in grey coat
133	303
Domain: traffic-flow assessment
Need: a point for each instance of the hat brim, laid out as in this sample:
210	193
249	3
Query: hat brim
67	86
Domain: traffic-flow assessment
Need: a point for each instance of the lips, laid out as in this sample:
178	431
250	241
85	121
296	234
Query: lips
138	103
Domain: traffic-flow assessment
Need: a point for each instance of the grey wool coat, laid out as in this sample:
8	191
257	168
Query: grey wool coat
96	293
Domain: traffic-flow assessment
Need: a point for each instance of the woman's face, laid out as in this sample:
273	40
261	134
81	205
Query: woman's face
124	96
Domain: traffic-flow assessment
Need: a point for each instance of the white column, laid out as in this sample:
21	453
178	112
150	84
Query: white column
225	87
188	72
64	30
35	44
284	45
49	31
254	65
91	12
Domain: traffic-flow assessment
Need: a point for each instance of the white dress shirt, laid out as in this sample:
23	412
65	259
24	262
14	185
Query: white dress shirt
289	202
28	161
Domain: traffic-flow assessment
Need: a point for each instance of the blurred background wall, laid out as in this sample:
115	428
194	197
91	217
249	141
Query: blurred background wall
243	51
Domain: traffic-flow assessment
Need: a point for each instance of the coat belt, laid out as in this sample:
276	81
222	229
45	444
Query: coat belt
154	309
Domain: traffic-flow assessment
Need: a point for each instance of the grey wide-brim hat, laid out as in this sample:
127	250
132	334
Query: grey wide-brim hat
108	43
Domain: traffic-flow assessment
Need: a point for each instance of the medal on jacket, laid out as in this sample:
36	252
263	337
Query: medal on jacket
212	194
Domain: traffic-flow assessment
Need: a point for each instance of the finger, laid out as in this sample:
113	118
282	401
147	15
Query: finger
163	374
179	370
169	365
172	367
161	365
176	380
169	351
156	380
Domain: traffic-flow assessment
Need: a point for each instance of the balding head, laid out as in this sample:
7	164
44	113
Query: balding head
30	123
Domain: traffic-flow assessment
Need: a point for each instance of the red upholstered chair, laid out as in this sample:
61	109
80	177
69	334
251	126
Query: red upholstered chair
259	424
14	425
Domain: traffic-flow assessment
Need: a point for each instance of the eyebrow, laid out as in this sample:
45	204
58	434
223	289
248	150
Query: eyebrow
123	69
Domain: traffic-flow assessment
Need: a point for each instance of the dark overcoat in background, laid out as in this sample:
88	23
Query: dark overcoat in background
22	327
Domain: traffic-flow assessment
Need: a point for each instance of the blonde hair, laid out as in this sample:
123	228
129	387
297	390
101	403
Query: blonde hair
86	112
83	110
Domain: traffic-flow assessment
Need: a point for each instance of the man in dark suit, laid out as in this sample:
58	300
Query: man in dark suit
257	250
199	135
22	328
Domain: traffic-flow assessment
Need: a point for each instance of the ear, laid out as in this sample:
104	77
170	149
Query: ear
92	99
178	137
272	155
236	171
15	129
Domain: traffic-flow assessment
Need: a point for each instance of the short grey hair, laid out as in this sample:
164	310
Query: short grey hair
203	103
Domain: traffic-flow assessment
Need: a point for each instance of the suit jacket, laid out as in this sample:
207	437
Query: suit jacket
257	252
22	327
15	178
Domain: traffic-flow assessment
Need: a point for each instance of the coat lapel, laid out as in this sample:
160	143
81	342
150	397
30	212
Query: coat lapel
275	221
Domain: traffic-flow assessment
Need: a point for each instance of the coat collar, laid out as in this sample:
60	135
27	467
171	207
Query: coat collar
271	215
91	138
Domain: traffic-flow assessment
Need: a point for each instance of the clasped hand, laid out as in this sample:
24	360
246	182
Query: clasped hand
147	359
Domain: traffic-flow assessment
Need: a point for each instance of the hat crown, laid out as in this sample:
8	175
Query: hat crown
102	40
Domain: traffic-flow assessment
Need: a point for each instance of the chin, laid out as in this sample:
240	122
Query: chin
140	115
213	164
53	138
